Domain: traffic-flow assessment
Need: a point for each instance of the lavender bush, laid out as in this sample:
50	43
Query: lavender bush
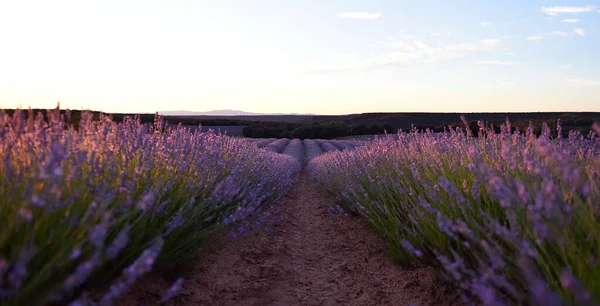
508	218
86	212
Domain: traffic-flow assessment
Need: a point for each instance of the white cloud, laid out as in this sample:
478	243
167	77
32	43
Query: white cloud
565	67
579	31
359	15
510	53
555	10
558	33
496	62
403	51
536	37
571	20
551	34
583	83
485	23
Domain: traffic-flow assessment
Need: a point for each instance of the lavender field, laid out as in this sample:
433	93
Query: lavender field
509	218
88	211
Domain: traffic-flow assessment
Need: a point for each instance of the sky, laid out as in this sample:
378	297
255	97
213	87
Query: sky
309	56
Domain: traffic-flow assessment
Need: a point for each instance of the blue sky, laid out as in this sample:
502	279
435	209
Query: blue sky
326	57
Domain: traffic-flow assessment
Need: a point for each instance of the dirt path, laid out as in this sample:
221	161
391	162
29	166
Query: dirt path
313	258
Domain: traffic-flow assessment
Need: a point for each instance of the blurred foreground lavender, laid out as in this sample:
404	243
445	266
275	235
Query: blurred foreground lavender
85	212
508	218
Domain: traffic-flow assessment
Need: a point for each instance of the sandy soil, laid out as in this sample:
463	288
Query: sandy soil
313	257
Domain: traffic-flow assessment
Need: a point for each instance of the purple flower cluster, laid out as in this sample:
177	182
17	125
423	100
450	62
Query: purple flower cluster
82	196
509	217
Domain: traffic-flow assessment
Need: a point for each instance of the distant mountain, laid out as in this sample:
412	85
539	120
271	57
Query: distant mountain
222	112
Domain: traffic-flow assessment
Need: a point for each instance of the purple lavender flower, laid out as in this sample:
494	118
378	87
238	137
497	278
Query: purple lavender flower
581	294
410	248
82	272
118	243
172	290
175	222
144	263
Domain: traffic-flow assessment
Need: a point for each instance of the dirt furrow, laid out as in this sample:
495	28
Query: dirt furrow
313	257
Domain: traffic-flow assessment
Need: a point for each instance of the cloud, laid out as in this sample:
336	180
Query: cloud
510	53
571	20
485	23
555	10
583	83
579	31
359	15
545	35
565	67
496	63
402	51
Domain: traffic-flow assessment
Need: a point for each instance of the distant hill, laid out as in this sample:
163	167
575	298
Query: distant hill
221	112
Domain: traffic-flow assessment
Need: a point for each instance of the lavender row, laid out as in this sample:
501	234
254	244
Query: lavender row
312	149
508	218
295	149
97	207
342	145
327	146
264	142
278	145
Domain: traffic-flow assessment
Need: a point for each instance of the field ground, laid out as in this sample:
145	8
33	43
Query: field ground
307	255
